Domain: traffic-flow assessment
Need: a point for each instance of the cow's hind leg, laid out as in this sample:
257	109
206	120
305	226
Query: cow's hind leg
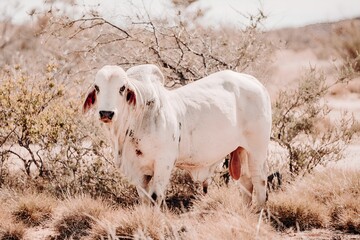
246	188
258	176
259	183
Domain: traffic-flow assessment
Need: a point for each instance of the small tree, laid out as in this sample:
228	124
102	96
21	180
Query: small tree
299	125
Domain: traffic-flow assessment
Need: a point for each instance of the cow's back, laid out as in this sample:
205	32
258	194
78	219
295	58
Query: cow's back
217	114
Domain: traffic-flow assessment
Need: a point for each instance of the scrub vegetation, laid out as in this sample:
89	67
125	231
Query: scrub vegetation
57	178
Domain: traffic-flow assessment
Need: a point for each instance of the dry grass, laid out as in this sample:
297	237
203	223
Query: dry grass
327	199
145	221
75	216
33	210
11	231
224	207
220	214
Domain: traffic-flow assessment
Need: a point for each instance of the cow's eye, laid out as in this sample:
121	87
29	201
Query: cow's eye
97	88
122	89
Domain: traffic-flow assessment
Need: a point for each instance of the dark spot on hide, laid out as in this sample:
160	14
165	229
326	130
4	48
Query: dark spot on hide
131	133
119	153
179	139
179	125
138	152
135	141
127	132
150	102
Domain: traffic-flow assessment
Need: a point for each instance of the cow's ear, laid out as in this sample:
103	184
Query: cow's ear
90	100
131	97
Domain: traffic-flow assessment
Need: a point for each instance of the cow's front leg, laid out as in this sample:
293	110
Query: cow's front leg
160	179
143	189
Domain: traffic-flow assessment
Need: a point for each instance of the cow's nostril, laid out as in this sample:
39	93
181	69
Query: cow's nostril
106	114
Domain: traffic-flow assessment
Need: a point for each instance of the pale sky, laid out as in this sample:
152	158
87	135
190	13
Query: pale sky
281	13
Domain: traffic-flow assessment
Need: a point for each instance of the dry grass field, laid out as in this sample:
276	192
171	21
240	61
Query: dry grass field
57	179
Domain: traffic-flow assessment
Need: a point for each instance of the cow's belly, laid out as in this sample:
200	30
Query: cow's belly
209	141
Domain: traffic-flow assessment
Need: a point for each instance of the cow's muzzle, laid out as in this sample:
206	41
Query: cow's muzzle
106	116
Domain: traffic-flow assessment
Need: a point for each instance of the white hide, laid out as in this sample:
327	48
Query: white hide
193	127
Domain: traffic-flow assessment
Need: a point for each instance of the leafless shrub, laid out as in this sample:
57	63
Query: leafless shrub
184	52
298	126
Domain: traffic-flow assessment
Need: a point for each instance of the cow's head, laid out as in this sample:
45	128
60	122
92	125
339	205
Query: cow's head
110	94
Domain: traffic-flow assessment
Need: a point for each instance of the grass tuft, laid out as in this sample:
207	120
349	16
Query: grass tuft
33	210
75	218
329	198
12	235
73	226
8	229
147	222
343	215
301	215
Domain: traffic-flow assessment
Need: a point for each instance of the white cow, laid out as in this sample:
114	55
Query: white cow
193	127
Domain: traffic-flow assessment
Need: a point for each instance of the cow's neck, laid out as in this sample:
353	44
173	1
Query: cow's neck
120	131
